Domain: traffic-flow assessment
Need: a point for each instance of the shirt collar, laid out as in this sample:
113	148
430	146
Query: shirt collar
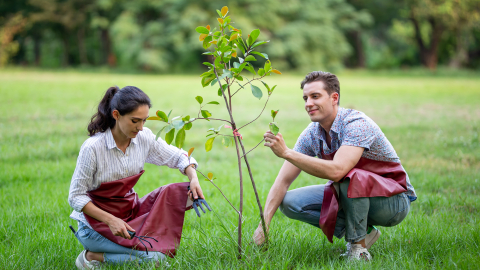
336	123
110	141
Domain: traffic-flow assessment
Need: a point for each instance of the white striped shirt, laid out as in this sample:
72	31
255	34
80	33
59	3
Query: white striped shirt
101	161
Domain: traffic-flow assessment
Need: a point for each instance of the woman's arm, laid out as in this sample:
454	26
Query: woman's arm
116	225
195	189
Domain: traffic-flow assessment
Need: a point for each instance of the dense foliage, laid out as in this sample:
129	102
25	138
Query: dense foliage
308	34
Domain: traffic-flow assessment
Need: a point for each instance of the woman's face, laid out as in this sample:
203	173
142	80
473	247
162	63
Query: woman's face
131	123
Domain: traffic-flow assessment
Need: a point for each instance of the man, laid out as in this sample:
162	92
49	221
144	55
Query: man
368	186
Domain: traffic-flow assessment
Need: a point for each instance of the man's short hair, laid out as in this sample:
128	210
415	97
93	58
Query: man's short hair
329	80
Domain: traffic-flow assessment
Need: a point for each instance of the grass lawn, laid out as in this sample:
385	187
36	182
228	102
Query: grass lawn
433	123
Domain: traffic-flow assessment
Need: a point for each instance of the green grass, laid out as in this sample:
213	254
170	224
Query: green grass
433	123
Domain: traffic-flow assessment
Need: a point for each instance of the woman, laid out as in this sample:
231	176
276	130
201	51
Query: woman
101	192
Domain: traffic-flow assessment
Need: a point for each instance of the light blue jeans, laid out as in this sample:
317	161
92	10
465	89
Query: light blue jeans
112	252
357	214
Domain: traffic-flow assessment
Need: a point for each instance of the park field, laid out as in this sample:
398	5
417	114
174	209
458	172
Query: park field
433	123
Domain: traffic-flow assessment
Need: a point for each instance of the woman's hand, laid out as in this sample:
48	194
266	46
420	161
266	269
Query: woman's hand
119	227
195	189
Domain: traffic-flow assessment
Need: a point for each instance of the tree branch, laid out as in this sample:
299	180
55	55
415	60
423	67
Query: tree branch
253	148
213	119
257	116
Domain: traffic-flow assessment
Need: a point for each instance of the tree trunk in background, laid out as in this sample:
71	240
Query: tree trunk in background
107	56
359	50
461	54
428	55
36	49
82	52
66	48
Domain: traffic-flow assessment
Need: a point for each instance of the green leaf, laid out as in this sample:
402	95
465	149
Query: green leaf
261	72
227	141
186	118
256	92
214	82
240	59
274	113
180	139
206	113
163	116
220	90
169	127
170	135
159	134
240	78
250	58
273	128
209	144
217	61
208	64
258	43
206	42
250	68
236	64
213	102
271	91
207	53
268	66
206	80
264	55
219	13
218	129
188	126
199	99
202	30
268	87
169	113
254	35
178	124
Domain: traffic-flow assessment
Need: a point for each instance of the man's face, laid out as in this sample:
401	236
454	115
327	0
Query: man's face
132	123
318	103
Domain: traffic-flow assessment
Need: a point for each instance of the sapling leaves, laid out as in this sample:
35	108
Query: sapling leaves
250	68
190	151
224	12
154	118
159	134
180	139
209	144
178	124
170	135
274	113
276	71
254	35
268	66
261	72
273	128
213	102
207	79
256	91
163	116
227	141
206	114
199	99
264	55
250	58
202	30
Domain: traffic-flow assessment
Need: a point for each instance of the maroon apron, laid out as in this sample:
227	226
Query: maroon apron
369	178
159	214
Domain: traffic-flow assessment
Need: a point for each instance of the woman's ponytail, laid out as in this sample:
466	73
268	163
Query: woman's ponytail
103	119
124	100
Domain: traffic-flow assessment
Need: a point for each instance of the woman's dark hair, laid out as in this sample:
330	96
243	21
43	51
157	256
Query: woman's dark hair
124	100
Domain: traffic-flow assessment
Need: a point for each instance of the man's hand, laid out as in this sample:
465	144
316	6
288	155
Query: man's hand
276	143
259	236
119	227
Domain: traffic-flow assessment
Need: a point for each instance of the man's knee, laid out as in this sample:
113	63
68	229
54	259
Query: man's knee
289	206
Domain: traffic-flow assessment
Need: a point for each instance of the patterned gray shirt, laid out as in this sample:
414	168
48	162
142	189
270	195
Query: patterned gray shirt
353	128
101	161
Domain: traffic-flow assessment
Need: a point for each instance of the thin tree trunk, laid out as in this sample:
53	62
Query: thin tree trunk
241	196
82	52
66	47
359	50
36	49
428	55
106	45
260	208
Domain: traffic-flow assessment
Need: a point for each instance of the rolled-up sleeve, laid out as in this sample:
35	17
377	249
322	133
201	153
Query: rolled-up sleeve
161	153
82	179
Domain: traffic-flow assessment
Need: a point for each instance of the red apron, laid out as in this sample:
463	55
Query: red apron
369	178
159	214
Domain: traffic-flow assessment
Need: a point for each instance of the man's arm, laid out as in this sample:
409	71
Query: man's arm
345	159
287	174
